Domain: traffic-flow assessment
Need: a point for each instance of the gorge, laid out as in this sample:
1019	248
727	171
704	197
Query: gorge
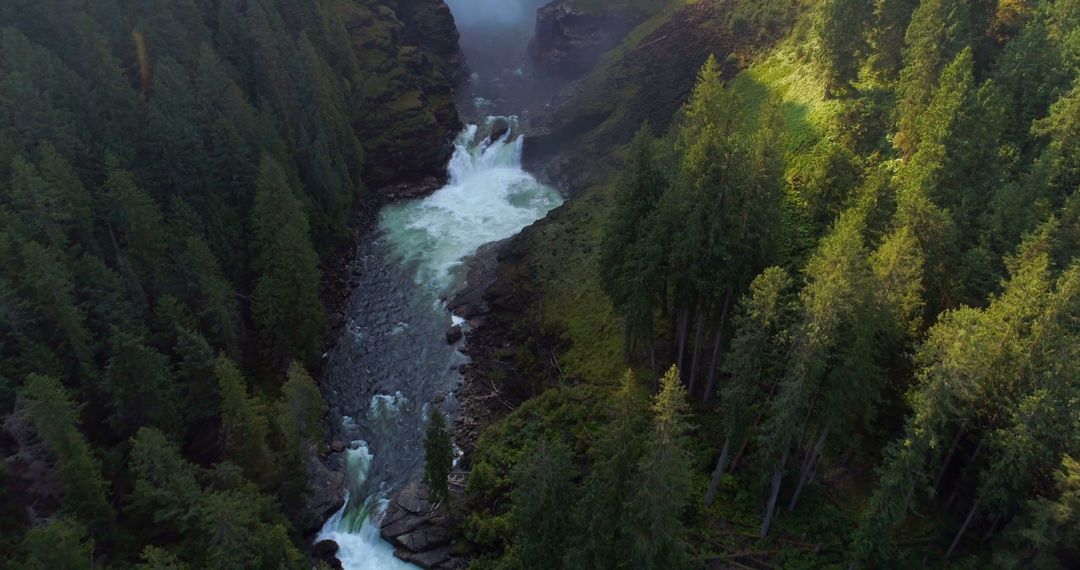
393	362
539	284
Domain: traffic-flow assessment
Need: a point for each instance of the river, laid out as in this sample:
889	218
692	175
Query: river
392	362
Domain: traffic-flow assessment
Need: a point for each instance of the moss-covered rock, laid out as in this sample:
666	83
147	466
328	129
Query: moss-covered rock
410	64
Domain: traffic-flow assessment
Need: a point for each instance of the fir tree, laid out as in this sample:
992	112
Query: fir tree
438	458
662	490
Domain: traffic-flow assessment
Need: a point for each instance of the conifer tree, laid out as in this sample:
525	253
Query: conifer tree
540	514
662	490
285	304
438	458
244	426
166	493
625	271
840	31
59	543
56	417
605	536
755	363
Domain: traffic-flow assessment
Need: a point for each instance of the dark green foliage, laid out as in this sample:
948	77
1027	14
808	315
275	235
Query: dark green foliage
628	279
170	172
841	34
244	426
661	490
59	543
55	417
285	303
541	499
604	537
438	458
138	385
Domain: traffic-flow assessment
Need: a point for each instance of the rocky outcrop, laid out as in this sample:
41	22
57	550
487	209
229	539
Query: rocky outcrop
649	80
408	56
420	532
570	39
327	488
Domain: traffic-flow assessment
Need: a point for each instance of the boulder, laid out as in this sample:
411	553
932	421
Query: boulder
424	539
327	492
499	129
453	334
325	549
337	446
402	526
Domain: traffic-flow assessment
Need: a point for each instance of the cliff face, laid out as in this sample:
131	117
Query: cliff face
570	37
409	58
649	80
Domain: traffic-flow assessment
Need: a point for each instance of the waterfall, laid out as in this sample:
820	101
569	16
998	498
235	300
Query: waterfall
489	198
392	358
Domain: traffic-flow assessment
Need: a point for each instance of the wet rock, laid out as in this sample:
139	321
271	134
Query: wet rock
426	538
404	524
325	549
421	535
499	129
414	499
453	334
335	321
337	446
428	559
327	493
569	41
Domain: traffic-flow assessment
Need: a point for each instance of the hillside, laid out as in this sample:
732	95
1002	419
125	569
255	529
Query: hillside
175	178
858	210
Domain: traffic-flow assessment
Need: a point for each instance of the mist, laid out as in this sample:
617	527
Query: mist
507	13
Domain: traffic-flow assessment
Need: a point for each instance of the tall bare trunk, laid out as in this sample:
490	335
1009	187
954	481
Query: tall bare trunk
949	457
757	422
697	352
718	472
809	468
684	329
960	483
652	362
710	385
963	528
774	493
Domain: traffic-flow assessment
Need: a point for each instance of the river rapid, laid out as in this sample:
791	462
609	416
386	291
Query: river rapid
392	363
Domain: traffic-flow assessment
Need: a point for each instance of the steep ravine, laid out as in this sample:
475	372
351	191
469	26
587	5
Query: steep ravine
393	362
398	350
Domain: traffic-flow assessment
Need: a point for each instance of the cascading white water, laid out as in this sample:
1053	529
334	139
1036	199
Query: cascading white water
355	527
488	198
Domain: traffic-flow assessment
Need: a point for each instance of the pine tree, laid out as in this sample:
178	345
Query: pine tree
166	493
662	490
285	303
244	426
891	19
438	459
840	30
755	363
59	543
542	491
56	417
605	535
624	273
302	408
140	388
939	30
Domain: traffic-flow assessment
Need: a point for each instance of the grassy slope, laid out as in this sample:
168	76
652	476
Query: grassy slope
560	264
